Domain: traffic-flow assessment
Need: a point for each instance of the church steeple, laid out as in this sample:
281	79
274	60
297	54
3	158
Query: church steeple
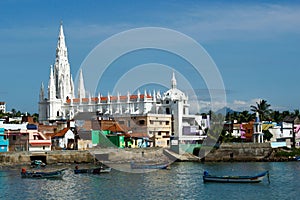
63	79
81	89
51	85
61	44
173	81
42	93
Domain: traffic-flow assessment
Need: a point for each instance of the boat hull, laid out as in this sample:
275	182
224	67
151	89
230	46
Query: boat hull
235	179
38	175
92	171
149	166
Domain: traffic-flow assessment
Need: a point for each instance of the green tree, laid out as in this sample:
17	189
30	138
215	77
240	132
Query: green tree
263	108
245	116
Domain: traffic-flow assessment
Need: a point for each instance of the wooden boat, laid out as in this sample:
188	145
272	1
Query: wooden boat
149	166
37	164
97	170
235	179
58	174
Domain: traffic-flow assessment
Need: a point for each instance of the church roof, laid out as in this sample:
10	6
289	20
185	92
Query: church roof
174	94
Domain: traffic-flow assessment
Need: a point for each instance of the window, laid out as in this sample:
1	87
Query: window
142	122
14	137
159	133
167	102
167	122
151	122
168	111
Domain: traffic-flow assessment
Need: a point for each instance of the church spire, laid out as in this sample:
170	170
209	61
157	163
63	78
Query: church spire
51	85
62	75
61	37
81	89
173	81
42	92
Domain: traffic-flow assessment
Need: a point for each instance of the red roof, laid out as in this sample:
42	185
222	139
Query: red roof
60	133
112	98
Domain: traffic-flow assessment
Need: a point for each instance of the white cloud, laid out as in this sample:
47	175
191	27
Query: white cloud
240	21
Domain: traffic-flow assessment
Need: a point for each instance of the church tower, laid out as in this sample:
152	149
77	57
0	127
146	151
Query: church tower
81	90
60	85
62	75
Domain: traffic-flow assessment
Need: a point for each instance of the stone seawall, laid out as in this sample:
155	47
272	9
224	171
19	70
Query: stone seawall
226	152
50	157
241	152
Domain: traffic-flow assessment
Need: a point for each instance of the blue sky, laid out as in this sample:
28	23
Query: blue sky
254	44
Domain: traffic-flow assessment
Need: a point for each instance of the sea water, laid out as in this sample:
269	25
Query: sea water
182	181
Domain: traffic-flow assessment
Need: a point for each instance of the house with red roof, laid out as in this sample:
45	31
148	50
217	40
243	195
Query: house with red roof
63	139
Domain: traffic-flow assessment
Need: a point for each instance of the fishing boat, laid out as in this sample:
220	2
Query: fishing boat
235	179
97	170
57	174
37	164
149	165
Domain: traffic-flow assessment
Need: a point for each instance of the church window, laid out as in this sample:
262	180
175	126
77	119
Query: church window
168	111
57	113
167	102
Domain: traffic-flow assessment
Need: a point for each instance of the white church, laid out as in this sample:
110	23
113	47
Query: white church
61	103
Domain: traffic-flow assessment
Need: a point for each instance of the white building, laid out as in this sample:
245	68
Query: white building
2	107
258	135
62	104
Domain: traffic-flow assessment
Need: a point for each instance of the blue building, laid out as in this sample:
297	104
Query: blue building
4	142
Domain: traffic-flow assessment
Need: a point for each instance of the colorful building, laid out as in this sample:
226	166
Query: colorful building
4	142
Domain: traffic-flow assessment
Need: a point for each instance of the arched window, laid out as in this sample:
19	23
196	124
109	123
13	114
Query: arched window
168	111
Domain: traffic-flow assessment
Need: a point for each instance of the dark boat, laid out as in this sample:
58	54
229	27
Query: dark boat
235	179
97	170
37	164
149	166
58	174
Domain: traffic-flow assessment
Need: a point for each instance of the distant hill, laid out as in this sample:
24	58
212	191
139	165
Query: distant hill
225	110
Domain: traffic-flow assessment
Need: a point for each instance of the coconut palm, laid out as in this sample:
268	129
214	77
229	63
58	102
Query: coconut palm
263	108
245	116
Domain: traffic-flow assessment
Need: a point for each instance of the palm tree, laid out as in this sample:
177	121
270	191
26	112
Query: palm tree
296	113
263	108
245	116
276	116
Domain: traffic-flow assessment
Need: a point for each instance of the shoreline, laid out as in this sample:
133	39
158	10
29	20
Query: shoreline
225	153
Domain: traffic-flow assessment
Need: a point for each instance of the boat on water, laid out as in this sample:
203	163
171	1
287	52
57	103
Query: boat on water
235	179
149	165
97	170
37	164
57	174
